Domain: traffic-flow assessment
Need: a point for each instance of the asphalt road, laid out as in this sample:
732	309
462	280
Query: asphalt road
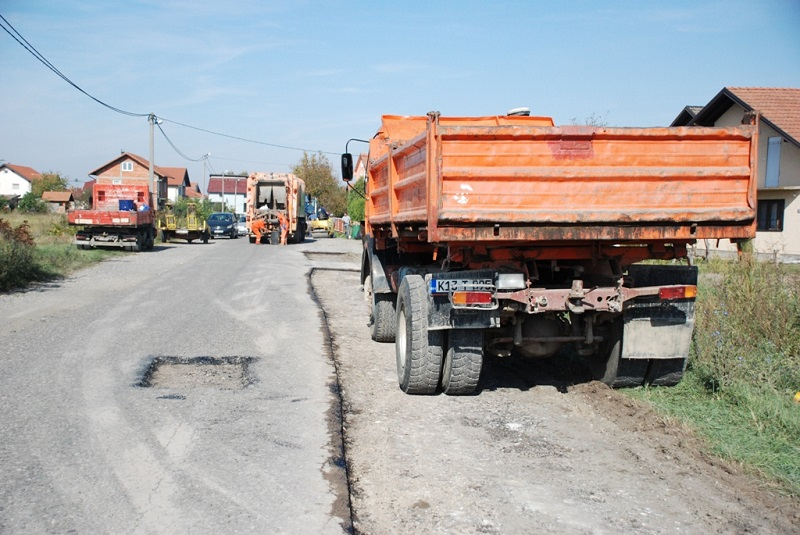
225	388
184	390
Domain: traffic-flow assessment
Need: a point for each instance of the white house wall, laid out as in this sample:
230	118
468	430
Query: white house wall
13	184
788	241
235	202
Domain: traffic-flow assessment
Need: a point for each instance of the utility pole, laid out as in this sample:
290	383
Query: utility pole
153	120
151	176
205	160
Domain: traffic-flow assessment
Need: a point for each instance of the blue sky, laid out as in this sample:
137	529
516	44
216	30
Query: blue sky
312	74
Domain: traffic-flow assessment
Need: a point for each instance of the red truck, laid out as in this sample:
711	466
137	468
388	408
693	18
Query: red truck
119	217
508	235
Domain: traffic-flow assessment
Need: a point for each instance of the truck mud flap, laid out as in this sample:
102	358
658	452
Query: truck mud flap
659	329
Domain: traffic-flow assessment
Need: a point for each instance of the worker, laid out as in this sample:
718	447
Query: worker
284	221
259	228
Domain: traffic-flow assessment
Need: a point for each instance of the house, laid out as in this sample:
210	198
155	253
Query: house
229	192
177	182
778	159
131	168
59	201
193	192
16	181
360	170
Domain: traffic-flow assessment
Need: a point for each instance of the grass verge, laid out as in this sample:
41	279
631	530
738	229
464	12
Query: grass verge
38	248
744	370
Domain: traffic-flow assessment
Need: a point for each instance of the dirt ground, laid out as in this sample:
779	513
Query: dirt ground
528	453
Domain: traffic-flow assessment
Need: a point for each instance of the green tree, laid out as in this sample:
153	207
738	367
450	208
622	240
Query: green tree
49	181
355	200
317	172
32	204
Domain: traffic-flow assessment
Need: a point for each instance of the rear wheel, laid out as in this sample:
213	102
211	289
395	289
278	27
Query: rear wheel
665	372
607	366
418	350
462	362
381	308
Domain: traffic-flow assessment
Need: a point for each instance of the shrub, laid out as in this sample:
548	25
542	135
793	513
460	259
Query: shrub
32	204
748	327
17	263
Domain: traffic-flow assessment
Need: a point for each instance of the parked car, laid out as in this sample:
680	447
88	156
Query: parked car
241	225
222	224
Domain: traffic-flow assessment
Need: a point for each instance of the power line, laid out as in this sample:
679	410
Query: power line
176	148
245	139
10	30
36	54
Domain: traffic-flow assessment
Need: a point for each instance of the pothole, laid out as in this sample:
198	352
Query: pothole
227	373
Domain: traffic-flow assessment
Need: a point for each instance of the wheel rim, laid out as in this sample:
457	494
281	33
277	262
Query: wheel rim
400	339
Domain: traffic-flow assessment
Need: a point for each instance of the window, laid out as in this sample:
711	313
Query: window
773	162
15	185
770	215
127	166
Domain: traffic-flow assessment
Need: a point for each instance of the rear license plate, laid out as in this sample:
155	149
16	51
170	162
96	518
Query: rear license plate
444	286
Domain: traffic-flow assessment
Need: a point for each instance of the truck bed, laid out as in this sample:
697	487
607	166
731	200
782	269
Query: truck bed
520	179
110	218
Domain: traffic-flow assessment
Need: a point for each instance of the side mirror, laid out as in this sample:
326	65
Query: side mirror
347	167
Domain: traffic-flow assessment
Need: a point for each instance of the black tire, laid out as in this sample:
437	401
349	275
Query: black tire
252	239
463	361
137	246
205	237
275	237
609	368
665	372
418	350
381	309
164	236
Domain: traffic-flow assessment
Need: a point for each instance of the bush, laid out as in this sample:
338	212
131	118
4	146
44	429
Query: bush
748	327
17	263
32	204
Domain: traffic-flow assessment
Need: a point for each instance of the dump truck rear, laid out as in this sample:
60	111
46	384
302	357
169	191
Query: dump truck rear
508	235
271	194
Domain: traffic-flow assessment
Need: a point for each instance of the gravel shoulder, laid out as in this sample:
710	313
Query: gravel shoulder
529	453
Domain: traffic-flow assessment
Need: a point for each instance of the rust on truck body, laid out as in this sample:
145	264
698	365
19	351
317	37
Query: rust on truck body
509	179
509	235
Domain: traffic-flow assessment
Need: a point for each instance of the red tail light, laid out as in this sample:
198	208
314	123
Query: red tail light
472	298
677	292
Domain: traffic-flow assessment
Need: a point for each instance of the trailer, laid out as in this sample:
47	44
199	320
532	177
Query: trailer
190	227
507	235
119	218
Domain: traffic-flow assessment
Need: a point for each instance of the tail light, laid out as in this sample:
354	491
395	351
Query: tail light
465	299
677	292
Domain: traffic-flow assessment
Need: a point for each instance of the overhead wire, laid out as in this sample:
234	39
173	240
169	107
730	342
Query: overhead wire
10	30
38	55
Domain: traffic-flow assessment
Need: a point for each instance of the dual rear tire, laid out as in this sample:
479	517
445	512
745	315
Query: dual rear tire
427	359
609	367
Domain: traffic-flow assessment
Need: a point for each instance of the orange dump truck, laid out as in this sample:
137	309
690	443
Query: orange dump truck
508	235
270	194
120	217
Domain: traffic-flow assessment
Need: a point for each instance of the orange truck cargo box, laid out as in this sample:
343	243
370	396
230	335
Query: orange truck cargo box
520	178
